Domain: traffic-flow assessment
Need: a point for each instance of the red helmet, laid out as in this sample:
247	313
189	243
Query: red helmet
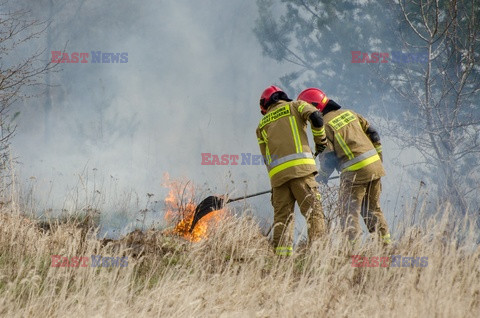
315	97
267	93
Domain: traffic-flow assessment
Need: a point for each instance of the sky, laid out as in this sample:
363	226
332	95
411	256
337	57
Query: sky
191	85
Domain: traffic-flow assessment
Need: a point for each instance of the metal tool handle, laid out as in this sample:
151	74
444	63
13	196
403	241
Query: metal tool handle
248	196
260	193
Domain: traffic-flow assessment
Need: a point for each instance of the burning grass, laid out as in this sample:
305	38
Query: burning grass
180	210
233	273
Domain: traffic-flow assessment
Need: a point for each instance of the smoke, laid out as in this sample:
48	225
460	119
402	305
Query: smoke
191	85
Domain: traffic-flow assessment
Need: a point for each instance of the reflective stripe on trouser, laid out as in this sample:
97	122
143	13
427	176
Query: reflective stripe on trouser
362	199
304	190
284	250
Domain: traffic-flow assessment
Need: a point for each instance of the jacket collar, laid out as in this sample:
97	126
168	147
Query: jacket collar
280	102
331	106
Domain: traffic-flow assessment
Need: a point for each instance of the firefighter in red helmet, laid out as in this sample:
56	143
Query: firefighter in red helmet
356	151
282	137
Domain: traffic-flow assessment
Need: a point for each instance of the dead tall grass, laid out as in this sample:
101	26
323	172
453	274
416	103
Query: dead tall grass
233	273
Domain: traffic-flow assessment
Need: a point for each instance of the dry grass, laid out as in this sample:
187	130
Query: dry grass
233	273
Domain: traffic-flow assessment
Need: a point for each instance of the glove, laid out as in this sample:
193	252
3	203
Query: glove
373	134
319	148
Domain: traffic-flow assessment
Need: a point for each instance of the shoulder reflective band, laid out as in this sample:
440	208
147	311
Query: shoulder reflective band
342	120
296	135
379	148
301	107
291	163
361	161
290	157
276	114
344	146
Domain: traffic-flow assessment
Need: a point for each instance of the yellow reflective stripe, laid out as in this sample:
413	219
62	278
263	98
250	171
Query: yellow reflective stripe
288	248
296	135
342	120
267	150
379	148
301	107
283	253
284	250
293	134
291	163
274	115
290	157
264	135
318	132
324	100
260	141
363	163
386	239
293	125
358	159
344	146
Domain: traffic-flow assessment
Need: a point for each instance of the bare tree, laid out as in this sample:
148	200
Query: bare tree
437	112
443	94
21	68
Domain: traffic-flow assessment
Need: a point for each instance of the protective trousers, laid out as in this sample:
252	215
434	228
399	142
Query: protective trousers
304	190
362	199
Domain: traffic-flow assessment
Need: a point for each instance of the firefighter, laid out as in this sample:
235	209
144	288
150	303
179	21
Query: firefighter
356	151
282	137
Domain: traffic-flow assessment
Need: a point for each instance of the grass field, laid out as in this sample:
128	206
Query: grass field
233	273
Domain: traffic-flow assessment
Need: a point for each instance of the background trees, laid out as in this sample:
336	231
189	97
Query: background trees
442	96
432	104
318	37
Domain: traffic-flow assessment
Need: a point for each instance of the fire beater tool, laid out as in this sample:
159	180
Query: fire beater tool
214	203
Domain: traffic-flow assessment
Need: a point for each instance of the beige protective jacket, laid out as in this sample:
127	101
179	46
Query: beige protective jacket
282	137
359	159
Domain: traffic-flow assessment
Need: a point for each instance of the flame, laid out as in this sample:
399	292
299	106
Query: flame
180	209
